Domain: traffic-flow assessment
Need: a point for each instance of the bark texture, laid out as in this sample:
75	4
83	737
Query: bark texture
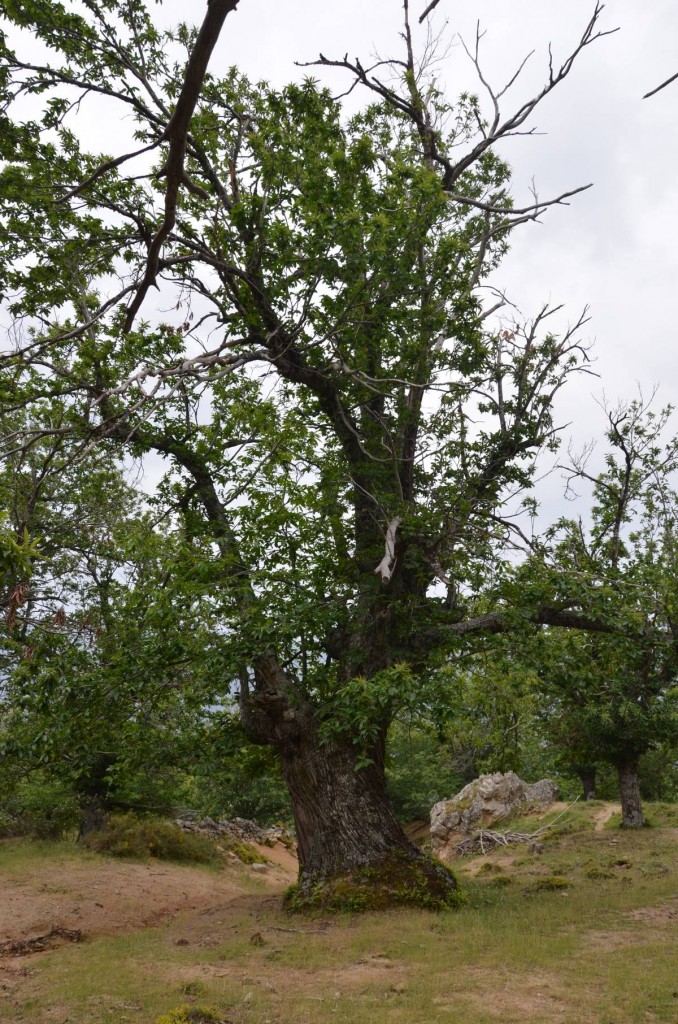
93	817
588	781
353	854
629	790
342	816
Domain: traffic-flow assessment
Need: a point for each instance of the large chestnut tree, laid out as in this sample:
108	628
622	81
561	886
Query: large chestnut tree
338	414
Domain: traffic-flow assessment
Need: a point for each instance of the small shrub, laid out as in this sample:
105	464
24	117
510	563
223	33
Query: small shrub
599	873
193	988
655	870
127	836
500	881
552	883
247	853
193	1015
489	868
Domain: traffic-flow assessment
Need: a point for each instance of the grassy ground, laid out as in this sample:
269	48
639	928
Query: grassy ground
584	931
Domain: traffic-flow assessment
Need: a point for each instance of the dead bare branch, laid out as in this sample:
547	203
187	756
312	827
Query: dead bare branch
483	840
662	86
429	10
534	209
176	134
413	105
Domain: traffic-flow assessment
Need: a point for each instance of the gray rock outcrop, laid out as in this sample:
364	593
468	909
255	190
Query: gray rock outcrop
238	829
484	802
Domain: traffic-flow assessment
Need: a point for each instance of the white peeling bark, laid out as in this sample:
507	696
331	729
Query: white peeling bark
387	564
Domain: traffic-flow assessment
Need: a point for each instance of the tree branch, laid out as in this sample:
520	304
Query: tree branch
662	86
176	134
503	622
429	10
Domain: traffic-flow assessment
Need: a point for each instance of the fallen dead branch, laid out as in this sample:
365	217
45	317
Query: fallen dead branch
484	840
324	925
23	947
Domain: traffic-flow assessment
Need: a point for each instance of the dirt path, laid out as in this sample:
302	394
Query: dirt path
601	817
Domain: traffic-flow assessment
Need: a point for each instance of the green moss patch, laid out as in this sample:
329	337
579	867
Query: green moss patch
395	881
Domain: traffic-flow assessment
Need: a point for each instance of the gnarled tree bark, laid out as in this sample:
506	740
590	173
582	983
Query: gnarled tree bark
629	791
352	851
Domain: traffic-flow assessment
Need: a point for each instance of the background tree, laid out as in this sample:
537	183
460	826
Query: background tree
338	422
612	698
105	671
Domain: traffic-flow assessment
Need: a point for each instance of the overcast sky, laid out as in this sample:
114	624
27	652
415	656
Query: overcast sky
614	248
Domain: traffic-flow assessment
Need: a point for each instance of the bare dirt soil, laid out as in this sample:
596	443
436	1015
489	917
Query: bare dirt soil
101	897
601	818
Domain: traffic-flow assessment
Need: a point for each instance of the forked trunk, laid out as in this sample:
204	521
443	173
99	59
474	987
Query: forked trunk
629	790
353	854
588	781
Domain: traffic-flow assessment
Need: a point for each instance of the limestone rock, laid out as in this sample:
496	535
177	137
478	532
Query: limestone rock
237	828
484	802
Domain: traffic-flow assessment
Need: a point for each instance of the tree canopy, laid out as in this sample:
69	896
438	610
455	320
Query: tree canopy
339	416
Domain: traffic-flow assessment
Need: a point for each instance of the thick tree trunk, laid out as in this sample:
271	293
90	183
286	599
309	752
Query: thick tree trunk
93	817
353	854
588	781
629	790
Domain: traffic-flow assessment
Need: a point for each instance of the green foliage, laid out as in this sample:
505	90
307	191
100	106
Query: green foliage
38	806
339	262
606	693
231	778
129	836
418	770
106	672
489	715
16	556
658	773
337	419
